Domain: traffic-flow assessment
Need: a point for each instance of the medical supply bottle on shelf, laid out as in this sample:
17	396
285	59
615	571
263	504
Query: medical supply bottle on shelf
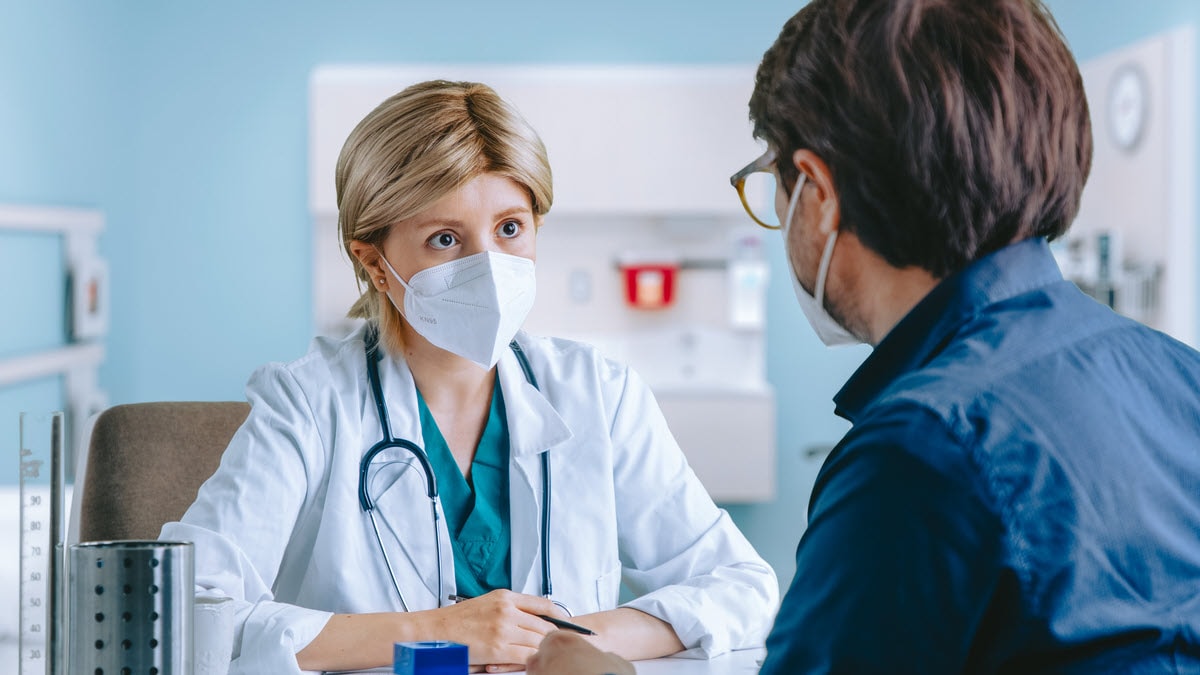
747	282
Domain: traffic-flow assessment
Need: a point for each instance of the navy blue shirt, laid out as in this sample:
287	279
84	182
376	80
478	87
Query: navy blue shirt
1019	492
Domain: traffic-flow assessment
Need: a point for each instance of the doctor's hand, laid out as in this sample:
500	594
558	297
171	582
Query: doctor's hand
500	627
565	653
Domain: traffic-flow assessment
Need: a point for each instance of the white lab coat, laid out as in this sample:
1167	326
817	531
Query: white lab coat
279	527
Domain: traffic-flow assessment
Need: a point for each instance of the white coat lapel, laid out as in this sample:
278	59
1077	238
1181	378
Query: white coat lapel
534	427
533	423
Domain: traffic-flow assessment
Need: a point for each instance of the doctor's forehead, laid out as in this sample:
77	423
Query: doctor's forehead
485	198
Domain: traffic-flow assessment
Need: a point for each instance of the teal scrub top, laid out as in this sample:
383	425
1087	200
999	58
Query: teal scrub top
478	519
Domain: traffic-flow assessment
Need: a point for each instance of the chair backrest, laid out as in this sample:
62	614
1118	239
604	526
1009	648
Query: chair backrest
146	461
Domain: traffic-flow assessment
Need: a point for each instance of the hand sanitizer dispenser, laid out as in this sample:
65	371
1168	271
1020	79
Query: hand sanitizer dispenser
747	283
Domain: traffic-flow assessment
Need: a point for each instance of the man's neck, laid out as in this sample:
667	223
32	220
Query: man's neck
874	296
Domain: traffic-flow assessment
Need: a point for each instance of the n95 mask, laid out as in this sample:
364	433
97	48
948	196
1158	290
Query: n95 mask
472	306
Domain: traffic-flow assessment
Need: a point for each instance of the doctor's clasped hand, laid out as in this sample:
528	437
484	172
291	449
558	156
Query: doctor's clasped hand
501	628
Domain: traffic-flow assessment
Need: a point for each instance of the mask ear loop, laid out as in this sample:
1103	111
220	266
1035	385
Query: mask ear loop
388	265
407	289
826	255
823	268
793	202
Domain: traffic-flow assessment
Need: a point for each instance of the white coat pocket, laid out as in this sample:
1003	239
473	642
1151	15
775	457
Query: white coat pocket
608	588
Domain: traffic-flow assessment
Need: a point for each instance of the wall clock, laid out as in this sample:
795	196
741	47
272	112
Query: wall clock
1128	106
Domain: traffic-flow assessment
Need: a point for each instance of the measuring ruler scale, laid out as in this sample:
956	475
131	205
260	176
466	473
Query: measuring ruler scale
41	480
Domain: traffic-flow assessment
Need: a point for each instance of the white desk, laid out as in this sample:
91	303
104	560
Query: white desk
743	662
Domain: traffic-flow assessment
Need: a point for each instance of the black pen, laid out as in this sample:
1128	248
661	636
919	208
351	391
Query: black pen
567	625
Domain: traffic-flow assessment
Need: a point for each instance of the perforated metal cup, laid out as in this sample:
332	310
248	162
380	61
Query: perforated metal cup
130	608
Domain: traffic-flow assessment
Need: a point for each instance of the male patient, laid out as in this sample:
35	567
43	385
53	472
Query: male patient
1020	490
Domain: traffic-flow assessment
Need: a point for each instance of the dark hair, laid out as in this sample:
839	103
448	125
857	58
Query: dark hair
951	127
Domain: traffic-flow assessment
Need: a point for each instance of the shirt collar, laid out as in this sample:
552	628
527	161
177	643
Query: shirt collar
930	326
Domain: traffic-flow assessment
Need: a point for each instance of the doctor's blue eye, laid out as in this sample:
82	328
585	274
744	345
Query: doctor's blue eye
442	240
510	229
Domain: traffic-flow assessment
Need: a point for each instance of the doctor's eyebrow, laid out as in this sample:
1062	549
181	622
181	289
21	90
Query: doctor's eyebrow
434	222
513	210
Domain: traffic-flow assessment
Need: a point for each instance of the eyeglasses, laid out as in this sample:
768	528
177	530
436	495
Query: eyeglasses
755	185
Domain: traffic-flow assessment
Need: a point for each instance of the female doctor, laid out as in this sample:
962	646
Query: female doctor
440	475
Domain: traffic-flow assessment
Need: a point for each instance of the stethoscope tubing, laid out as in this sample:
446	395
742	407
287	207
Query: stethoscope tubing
389	441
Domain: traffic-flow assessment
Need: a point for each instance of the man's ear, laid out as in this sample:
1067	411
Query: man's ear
820	177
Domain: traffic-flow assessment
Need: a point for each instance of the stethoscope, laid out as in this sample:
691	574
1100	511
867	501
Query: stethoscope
389	441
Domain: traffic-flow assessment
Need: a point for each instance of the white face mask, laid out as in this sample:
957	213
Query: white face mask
826	327
472	306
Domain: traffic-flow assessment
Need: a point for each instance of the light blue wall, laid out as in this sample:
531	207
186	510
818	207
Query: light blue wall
58	122
186	123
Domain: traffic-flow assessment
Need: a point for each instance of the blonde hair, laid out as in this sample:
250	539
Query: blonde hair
415	148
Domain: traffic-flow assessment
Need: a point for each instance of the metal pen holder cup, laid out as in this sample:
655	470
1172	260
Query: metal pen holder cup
130	608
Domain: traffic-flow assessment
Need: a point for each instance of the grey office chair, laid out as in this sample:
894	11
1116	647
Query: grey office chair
146	461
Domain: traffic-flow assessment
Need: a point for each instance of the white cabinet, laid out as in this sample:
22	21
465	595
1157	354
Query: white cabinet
621	139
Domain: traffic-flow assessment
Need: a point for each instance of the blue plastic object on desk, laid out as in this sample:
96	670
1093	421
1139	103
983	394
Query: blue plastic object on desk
429	658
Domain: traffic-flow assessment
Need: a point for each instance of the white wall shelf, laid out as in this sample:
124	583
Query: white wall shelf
27	367
50	219
77	362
